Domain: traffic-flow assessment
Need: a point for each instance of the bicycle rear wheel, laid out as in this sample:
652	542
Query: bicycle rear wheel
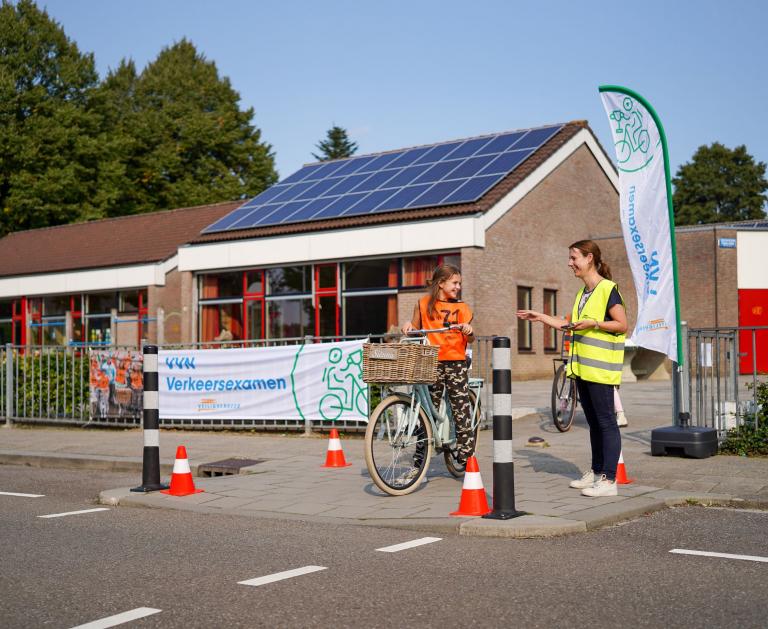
398	446
452	462
563	400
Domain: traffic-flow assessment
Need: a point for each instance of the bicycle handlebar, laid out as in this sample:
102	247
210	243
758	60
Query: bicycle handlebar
436	330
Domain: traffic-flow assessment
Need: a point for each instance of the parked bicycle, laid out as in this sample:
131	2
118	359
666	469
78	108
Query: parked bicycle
565	395
405	430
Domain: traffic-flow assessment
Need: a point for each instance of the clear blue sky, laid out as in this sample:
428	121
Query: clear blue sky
406	72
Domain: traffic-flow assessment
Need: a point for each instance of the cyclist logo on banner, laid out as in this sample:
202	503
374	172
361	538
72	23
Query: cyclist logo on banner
116	384
338	372
633	147
344	382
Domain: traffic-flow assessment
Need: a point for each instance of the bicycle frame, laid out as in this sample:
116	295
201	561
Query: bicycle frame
441	419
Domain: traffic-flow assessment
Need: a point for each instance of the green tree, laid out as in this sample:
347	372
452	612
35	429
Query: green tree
180	135
49	150
336	145
719	185
114	100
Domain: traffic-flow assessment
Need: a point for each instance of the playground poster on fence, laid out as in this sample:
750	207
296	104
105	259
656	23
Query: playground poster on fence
115	383
322	381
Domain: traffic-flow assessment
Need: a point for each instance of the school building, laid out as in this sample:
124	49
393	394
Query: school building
345	248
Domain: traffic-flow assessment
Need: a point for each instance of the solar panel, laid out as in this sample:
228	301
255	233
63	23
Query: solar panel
460	171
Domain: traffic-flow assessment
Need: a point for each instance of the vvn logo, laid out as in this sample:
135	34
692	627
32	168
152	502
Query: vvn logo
180	362
633	144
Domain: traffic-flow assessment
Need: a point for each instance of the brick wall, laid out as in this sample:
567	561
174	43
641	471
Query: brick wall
169	298
528	246
704	300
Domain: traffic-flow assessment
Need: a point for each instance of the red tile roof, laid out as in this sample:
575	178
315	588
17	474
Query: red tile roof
137	239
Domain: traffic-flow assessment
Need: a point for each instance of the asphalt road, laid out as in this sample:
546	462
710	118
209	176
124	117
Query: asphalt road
71	570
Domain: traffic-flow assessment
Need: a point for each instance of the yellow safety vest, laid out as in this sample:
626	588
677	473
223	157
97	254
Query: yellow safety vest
596	355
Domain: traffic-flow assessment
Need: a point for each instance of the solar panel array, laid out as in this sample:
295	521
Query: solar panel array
427	176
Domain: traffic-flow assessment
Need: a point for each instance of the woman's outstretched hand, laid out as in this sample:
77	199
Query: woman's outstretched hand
529	315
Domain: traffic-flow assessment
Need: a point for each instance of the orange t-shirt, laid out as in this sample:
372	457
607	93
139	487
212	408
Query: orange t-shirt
453	344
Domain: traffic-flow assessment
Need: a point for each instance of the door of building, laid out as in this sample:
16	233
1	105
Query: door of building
753	311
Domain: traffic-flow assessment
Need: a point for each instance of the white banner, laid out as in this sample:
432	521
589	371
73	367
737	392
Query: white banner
645	220
316	381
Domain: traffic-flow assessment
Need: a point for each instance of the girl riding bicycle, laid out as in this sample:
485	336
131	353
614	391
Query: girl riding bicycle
442	308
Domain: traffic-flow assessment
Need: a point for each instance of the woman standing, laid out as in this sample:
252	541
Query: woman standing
599	324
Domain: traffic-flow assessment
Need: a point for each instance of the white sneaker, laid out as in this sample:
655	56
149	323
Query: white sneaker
602	487
621	419
587	480
408	476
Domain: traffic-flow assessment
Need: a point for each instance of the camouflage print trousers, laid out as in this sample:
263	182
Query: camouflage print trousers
452	375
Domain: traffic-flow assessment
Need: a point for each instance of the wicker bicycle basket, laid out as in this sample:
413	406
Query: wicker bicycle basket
405	363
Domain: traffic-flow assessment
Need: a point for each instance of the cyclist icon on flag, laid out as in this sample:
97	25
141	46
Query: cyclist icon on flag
634	143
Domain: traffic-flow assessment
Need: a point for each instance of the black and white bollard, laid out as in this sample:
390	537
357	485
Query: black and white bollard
150	475
503	464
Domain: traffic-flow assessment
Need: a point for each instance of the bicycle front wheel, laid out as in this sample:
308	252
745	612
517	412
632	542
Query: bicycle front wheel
563	400
398	445
456	466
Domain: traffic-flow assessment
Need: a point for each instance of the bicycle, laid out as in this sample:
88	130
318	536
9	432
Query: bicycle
565	395
405	431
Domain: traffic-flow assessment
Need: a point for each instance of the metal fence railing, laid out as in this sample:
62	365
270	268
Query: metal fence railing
50	384
720	379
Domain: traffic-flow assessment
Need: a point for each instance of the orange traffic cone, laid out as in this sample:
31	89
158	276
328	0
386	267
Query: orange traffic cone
473	499
335	456
621	472
181	479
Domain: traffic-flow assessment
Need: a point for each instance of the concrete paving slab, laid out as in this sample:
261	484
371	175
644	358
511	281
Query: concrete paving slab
307	508
223	502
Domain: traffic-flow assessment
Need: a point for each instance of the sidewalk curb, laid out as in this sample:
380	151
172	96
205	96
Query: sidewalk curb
523	527
124	497
95	462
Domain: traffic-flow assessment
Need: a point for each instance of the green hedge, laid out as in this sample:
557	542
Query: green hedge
31	372
751	438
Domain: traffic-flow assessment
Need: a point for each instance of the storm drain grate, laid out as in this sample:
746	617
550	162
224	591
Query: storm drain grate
227	467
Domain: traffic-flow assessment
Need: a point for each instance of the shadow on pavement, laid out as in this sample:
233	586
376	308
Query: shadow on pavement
545	462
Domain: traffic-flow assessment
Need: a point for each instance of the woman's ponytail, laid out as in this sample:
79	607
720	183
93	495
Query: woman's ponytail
604	270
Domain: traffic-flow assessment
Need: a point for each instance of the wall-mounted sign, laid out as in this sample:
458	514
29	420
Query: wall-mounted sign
727	243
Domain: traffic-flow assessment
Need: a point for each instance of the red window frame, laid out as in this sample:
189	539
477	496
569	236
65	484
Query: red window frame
326	291
141	316
21	318
258	297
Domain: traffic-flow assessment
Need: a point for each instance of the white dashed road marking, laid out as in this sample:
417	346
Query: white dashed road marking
704	553
119	619
279	576
61	515
12	493
412	544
